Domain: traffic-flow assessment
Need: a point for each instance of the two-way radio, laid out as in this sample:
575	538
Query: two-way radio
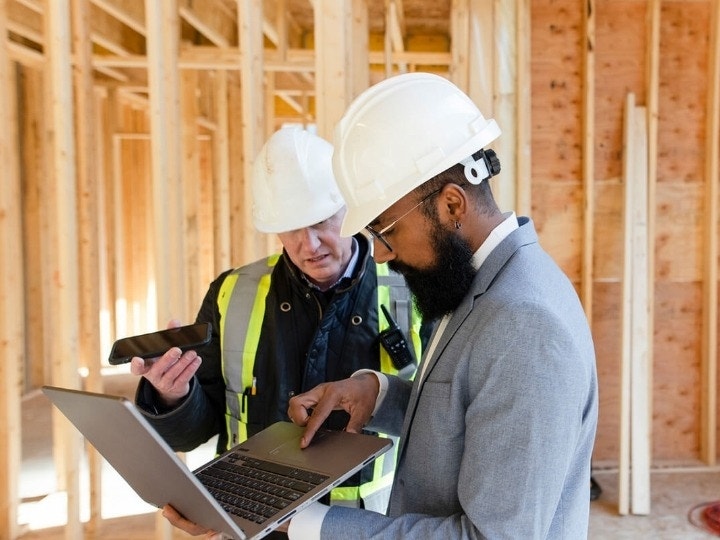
394	342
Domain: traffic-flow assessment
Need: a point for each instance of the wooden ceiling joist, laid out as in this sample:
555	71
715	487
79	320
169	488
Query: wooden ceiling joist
287	98
114	35
210	21
119	31
34	5
131	14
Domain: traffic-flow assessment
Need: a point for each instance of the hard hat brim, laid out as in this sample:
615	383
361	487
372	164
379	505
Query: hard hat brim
360	215
295	221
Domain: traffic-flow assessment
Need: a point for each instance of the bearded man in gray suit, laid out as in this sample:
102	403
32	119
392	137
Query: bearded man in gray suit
497	429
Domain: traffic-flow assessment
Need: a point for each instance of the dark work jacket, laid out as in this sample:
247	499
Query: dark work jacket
326	336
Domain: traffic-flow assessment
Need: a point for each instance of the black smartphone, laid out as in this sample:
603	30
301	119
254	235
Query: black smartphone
156	344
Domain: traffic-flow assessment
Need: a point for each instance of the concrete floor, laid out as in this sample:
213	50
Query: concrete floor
124	516
673	494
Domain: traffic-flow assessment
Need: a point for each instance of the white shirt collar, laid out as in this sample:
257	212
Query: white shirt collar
497	235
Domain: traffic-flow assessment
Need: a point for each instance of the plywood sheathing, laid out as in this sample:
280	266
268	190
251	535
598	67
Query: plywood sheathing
569	171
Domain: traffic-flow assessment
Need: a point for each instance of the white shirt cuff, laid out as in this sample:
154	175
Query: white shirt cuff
307	524
382	380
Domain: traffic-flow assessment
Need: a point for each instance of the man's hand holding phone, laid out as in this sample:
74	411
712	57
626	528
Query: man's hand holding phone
170	373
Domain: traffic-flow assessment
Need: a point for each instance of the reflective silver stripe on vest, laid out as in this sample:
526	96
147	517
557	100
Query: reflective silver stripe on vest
243	293
248	286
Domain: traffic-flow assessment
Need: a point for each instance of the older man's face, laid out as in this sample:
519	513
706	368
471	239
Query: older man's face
319	251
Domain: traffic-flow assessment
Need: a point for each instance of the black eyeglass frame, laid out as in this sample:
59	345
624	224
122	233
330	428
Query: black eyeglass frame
378	235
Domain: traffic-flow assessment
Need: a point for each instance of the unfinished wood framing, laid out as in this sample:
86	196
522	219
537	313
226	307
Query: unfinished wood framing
504	49
487	65
190	167
709	410
338	26
523	131
221	176
640	324
641	492
63	252
12	309
634	481
250	15
88	228
588	161
460	31
133	127
170	260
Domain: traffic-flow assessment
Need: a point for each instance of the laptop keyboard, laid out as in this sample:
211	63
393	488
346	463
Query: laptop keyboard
255	489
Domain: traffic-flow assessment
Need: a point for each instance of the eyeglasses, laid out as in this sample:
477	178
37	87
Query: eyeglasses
378	235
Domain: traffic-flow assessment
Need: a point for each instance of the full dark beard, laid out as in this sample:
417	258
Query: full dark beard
440	289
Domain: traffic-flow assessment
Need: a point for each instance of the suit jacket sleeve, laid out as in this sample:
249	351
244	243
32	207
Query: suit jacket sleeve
389	416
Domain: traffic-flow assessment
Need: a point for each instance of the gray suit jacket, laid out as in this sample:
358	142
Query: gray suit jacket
496	439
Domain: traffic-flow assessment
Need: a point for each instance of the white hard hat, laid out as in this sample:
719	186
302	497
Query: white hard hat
293	183
397	135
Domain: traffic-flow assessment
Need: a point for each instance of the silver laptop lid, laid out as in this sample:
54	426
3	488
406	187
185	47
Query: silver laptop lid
115	427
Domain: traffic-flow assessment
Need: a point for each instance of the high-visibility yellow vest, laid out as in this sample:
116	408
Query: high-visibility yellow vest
242	300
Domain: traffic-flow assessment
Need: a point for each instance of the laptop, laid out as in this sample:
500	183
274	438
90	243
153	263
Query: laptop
246	492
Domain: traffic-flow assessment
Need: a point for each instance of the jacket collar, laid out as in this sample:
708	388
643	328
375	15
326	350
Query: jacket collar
524	235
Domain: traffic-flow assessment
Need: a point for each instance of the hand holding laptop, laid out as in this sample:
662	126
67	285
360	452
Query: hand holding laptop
356	396
190	527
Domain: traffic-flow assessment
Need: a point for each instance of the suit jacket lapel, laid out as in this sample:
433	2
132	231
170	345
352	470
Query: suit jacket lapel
524	235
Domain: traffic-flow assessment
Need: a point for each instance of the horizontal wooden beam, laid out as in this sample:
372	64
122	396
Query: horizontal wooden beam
113	74
26	32
298	60
24	55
